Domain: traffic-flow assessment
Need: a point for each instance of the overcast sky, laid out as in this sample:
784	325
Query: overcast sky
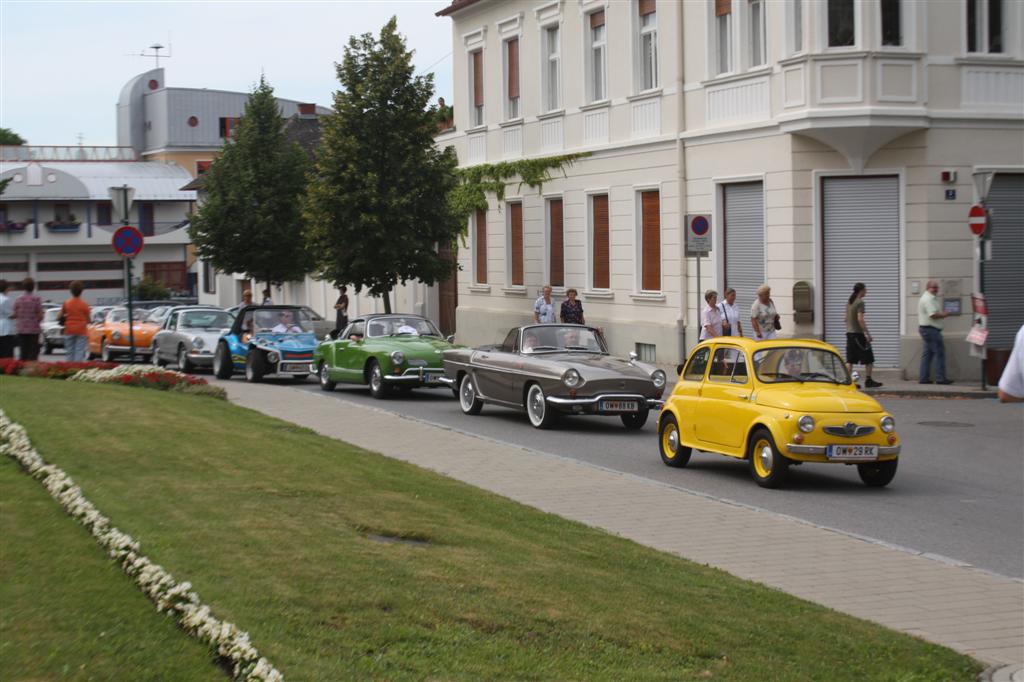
62	64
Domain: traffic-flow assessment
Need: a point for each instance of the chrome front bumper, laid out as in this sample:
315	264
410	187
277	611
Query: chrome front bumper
651	403
427	376
795	449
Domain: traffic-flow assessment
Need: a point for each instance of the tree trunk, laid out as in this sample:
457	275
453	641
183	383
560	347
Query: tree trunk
387	301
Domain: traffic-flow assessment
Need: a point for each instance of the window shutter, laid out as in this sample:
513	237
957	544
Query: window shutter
599	202
650	226
646	7
478	78
513	68
516	223
557	253
481	246
723	7
597	19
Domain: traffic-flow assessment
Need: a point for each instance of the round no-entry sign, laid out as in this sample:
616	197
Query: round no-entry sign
127	241
977	219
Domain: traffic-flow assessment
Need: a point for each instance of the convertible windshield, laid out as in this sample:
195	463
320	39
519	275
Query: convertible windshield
206	319
401	325
290	321
774	365
551	338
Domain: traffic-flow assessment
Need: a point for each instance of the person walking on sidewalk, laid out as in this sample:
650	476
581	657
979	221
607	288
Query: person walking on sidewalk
76	313
28	312
710	317
929	319
730	315
572	309
544	307
1011	384
764	318
7	338
858	338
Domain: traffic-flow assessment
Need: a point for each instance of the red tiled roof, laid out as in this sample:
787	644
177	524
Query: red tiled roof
455	7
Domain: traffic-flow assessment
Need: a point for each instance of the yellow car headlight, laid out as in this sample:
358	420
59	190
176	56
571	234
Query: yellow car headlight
888	424
806	423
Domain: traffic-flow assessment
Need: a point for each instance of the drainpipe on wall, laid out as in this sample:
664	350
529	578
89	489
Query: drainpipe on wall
681	173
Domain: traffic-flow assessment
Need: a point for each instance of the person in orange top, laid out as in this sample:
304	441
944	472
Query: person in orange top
75	313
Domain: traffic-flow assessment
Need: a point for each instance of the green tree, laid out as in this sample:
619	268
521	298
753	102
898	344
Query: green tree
10	138
377	202
251	221
149	289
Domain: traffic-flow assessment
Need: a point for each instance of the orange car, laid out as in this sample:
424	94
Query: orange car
108	337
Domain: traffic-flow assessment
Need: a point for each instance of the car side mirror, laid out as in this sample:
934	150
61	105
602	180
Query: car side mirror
679	369
450	338
633	356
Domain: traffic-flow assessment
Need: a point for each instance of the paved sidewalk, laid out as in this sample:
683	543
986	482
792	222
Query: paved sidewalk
961	607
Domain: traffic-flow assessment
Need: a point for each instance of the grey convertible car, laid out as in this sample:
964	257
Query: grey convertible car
554	369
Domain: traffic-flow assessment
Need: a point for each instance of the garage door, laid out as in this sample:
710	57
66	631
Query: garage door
1004	274
744	245
861	243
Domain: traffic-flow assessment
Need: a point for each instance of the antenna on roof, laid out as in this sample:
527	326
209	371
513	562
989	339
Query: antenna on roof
155	54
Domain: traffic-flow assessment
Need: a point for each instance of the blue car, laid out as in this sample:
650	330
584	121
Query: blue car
267	340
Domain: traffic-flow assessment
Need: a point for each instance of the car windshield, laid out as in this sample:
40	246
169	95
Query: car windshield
775	365
401	325
206	319
290	321
555	338
119	315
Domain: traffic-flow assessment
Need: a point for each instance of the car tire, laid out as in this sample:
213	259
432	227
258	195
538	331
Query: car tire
223	367
105	353
378	387
183	364
47	349
325	382
673	452
634	421
469	401
877	474
255	366
155	358
768	466
541	416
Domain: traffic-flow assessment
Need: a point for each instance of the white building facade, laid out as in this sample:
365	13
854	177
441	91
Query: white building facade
830	142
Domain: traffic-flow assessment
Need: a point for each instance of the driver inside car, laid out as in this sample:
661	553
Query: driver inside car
286	325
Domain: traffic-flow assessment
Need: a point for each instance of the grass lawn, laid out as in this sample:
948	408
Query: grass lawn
270	523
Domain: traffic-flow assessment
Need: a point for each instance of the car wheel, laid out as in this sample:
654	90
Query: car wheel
541	416
47	349
378	388
155	357
877	474
673	452
325	380
105	354
223	367
768	466
635	420
469	401
255	366
183	363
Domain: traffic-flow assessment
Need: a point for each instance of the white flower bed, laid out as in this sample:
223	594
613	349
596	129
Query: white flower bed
103	376
158	584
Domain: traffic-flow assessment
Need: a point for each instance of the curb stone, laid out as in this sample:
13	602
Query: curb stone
1003	673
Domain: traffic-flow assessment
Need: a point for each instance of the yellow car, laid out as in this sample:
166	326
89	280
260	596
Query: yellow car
776	403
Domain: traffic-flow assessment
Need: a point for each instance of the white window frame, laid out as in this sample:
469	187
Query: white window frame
589	207
796	25
858	28
548	198
473	246
547	56
755	58
983	27
639	33
638	238
508	242
591	63
716	43
509	113
477	114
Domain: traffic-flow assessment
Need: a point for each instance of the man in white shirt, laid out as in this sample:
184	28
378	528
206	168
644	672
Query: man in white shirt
286	325
1011	384
8	339
544	307
730	315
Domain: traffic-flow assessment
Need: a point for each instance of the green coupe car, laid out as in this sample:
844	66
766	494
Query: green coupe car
386	352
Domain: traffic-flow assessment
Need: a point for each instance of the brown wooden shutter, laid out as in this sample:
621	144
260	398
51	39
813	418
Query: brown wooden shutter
597	19
646	7
481	246
650	206
515	212
513	68
723	7
557	254
599	202
478	78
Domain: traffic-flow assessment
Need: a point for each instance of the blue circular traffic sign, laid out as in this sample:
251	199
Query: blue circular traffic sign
700	226
128	241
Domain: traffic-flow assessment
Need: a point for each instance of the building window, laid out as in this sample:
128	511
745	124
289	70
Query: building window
985	26
600	241
209	278
61	212
841	31
476	78
202	167
723	36
556	244
796	27
480	245
103	213
757	34
648	45
227	126
646	352
515	243
512	79
597	79
552	69
650	241
892	22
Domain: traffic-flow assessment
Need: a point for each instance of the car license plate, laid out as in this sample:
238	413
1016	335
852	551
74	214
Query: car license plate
297	367
857	452
619	406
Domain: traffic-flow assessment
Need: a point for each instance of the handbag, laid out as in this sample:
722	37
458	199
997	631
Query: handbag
778	322
726	325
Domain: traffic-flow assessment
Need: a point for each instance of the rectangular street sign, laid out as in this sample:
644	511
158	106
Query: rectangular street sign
698	234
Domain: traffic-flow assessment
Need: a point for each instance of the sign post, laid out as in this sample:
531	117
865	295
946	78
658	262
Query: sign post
698	243
128	243
977	221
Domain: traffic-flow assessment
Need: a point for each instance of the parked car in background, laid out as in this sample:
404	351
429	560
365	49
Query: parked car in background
775	404
52	331
109	337
267	340
385	352
552	370
189	336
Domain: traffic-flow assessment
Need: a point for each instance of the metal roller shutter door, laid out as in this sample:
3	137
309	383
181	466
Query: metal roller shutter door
1004	274
862	244
744	245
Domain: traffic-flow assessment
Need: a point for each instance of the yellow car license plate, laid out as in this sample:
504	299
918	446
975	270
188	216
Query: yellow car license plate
857	452
619	406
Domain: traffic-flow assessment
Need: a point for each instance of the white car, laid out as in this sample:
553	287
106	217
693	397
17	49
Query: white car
189	336
52	332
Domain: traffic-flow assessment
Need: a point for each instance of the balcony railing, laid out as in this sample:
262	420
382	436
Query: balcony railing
69	226
10	153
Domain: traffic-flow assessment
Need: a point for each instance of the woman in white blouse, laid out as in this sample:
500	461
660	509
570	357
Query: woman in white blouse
710	317
763	314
